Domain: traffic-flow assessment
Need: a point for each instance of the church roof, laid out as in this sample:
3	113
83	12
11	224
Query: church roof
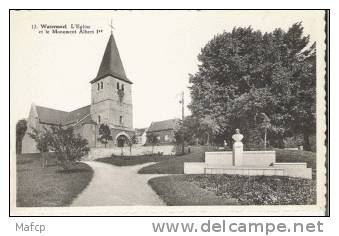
111	63
50	116
76	115
57	117
163	125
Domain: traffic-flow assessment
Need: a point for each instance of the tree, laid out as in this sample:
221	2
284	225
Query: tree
104	134
264	126
132	140
210	126
153	140
43	139
182	133
68	147
243	73
21	127
303	102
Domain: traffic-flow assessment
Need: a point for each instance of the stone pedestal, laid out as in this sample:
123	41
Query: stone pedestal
237	148
237	154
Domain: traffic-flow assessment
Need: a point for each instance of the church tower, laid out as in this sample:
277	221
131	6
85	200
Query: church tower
111	94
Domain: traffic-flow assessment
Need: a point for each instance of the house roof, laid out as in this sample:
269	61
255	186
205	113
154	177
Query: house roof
140	130
57	117
163	125
111	63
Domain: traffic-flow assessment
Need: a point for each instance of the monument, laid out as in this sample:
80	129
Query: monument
237	148
252	163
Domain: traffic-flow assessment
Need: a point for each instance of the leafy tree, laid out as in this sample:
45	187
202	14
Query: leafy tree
68	147
104	134
244	73
21	127
132	140
183	134
265	126
153	140
302	104
210	127
43	139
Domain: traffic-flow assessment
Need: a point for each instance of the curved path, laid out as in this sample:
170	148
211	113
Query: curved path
117	185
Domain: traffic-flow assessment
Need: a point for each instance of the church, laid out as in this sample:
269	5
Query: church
111	104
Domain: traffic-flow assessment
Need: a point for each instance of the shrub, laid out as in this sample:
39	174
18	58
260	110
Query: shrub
68	147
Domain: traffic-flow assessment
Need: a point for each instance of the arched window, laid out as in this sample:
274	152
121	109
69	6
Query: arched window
102	85
118	86
98	86
121	120
99	119
122	87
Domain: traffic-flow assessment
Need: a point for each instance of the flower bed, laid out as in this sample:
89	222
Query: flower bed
259	190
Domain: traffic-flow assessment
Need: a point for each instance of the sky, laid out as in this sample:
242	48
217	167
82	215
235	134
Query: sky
158	49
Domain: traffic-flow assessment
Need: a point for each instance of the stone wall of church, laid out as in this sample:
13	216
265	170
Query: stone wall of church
107	103
110	90
88	132
28	145
115	133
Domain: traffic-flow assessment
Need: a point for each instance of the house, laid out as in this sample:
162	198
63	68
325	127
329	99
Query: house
111	104
164	130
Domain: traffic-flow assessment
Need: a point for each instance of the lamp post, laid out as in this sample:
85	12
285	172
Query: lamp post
182	101
266	122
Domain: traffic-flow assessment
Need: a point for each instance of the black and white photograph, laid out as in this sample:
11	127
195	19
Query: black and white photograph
163	112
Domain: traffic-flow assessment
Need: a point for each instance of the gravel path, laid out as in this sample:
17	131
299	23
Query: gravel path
114	185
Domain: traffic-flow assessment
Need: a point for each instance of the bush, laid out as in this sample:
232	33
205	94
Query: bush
68	147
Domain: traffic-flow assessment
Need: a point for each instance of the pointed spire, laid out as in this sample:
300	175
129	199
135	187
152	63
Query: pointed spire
111	63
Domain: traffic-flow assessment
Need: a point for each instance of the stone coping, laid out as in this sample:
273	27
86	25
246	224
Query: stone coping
243	151
219	152
243	167
259	151
290	163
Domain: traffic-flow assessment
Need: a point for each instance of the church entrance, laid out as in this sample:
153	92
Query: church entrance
122	140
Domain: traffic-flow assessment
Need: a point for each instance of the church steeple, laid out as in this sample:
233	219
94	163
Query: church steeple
111	64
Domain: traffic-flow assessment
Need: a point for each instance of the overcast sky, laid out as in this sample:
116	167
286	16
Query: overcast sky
158	49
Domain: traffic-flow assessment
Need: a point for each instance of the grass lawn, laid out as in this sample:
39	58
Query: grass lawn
176	190
134	160
172	166
47	187
233	189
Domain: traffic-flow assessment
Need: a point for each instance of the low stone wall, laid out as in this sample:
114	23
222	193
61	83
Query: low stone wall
251	171
218	158
96	153
250	158
296	169
258	158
